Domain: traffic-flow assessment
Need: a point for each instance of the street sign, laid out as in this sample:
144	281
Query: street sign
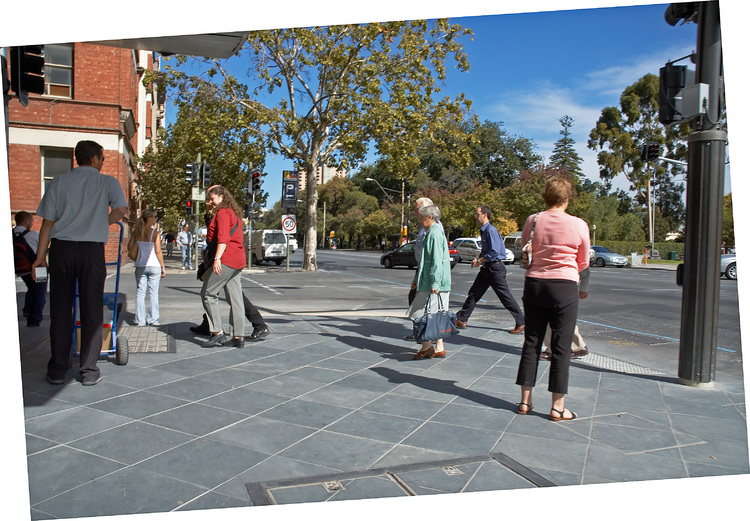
199	194
289	189
289	224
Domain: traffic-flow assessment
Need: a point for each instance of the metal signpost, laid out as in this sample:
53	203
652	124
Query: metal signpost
289	227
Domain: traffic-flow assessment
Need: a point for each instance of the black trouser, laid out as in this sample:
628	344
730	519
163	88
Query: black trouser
36	297
491	274
71	261
553	302
252	313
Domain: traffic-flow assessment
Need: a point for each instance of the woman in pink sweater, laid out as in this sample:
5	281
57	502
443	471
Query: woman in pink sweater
560	247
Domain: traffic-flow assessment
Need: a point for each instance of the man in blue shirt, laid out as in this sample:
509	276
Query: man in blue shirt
491	274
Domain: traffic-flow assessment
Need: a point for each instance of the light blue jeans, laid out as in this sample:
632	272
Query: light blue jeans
148	276
186	257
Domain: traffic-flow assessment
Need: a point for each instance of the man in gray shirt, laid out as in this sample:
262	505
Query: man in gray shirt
76	212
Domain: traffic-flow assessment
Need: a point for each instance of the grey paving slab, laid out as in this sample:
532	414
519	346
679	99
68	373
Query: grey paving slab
203	462
338	451
307	413
262	434
244	400
138	404
405	406
72	424
132	442
375	426
129	491
195	419
61	469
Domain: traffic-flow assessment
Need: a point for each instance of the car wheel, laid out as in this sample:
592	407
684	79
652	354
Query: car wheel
731	272
387	263
600	262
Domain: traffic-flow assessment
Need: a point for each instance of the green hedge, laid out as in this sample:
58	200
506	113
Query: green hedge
628	247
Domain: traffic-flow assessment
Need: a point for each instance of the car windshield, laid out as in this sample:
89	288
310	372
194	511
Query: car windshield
408	247
275	237
600	249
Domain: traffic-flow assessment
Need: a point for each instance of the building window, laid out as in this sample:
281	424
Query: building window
55	161
58	70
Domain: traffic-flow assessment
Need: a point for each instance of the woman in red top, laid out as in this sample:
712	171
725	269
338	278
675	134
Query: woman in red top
226	231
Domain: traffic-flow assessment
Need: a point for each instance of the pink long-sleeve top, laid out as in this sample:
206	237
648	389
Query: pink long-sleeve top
560	249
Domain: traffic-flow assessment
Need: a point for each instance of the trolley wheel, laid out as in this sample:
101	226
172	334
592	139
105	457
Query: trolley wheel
121	354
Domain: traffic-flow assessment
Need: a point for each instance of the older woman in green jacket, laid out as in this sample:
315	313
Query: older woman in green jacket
433	277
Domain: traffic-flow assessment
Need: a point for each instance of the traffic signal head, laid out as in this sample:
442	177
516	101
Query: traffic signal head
191	173
205	175
653	152
188	207
255	181
27	71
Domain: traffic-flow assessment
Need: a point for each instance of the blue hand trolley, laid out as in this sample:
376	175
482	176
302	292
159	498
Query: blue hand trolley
114	345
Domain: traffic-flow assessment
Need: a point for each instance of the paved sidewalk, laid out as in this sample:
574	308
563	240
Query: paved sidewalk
331	408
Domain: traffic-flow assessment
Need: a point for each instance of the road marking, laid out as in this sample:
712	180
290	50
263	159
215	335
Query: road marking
269	288
646	334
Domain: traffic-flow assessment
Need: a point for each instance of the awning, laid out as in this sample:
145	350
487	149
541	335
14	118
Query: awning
214	45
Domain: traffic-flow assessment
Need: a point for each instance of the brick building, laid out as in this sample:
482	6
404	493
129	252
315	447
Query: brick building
91	92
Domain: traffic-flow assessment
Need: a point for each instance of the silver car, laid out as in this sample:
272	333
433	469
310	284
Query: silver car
601	256
728	266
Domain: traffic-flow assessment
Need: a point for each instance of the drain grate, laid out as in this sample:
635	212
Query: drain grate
402	480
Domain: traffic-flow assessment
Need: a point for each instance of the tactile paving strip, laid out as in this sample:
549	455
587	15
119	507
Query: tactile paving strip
148	339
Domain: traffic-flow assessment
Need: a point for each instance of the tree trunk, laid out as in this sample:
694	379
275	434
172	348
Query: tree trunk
309	261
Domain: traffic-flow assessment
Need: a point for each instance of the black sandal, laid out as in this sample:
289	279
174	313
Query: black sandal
529	408
562	415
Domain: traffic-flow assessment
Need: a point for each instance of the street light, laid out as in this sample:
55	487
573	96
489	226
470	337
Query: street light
401	227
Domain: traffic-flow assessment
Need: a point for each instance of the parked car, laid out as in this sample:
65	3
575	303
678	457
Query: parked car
513	246
728	266
292	244
601	256
404	256
468	248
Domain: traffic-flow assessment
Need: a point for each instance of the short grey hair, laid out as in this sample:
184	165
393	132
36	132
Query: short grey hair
430	211
423	201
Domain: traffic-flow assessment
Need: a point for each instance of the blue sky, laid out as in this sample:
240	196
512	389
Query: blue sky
530	69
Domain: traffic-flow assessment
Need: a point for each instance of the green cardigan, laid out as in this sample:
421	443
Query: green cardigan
434	270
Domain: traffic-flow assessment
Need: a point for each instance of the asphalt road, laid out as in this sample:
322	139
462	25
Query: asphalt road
636	312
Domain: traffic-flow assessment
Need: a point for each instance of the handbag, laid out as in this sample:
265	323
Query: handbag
208	257
526	253
437	325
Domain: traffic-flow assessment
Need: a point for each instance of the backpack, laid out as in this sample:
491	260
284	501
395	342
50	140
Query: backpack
23	255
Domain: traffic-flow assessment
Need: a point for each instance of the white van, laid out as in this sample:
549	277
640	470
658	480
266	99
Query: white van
268	245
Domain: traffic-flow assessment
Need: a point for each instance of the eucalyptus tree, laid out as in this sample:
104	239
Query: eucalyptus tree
325	96
619	134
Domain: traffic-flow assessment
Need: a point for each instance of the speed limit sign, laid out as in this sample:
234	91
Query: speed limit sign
289	224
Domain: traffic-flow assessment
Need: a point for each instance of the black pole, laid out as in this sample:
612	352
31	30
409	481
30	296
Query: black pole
705	196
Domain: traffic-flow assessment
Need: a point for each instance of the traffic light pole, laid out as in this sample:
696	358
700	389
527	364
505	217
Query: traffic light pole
704	198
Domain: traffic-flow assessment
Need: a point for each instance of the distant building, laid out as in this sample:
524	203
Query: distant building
324	174
92	92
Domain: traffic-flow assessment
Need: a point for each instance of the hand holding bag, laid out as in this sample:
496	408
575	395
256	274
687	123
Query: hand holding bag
526	253
437	325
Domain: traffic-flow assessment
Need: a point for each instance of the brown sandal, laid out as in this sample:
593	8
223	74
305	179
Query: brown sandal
562	415
529	408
